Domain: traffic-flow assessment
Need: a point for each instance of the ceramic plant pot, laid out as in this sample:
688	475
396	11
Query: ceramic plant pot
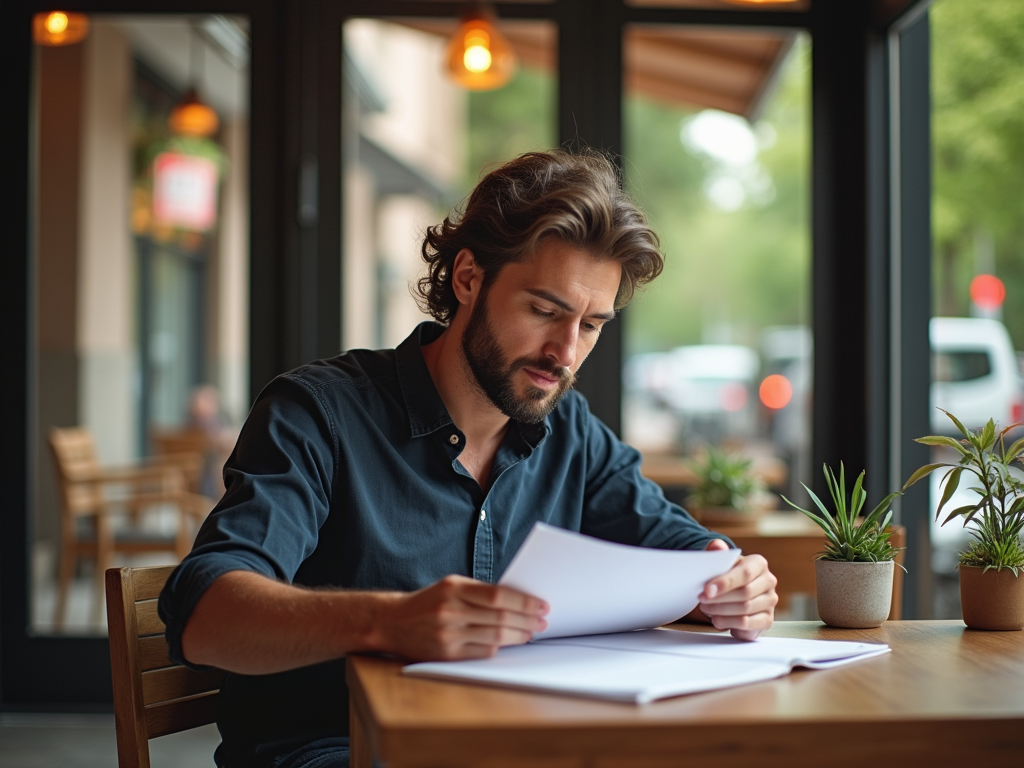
991	599
854	595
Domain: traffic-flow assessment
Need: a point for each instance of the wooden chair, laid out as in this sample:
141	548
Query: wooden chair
152	695
791	559
90	495
187	442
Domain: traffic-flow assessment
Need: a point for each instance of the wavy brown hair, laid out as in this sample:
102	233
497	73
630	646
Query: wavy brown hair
575	196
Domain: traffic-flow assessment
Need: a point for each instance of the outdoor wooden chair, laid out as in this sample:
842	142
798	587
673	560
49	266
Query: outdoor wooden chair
195	448
152	695
91	494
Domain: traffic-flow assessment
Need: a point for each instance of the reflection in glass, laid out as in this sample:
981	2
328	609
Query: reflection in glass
141	259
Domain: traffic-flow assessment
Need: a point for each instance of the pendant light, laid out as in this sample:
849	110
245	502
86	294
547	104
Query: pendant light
479	57
59	28
191	117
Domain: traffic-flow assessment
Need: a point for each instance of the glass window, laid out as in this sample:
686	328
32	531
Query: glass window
414	145
977	71
718	348
141	214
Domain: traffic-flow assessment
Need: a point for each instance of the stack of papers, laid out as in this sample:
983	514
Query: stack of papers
596	590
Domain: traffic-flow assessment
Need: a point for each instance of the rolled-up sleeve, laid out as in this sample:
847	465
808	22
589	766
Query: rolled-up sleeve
278	493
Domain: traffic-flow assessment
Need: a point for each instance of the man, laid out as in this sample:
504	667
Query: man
374	499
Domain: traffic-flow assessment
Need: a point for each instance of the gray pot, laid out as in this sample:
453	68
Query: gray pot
854	595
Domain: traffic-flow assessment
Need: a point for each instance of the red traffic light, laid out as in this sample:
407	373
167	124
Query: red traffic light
988	291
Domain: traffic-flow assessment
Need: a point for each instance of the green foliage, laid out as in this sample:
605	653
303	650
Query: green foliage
978	150
506	122
723	480
847	541
748	268
998	515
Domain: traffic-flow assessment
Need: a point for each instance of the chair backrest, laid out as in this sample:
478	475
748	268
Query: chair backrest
153	696
190	448
76	461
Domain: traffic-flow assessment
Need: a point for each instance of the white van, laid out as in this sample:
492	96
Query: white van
975	375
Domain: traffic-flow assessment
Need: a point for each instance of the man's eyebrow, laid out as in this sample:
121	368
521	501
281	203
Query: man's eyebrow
566	306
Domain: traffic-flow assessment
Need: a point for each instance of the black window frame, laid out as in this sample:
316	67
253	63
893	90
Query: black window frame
870	173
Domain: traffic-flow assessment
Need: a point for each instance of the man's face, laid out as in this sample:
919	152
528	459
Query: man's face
532	328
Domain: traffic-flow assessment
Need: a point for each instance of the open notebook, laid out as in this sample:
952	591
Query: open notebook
597	590
643	666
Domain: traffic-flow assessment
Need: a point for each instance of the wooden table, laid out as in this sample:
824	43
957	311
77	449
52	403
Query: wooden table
945	696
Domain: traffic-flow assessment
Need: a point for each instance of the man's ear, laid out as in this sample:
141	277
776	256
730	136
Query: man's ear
467	277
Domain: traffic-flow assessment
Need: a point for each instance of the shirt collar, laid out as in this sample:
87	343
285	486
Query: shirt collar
427	412
426	409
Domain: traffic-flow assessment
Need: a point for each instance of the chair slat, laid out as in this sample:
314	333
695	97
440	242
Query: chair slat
153	653
180	715
149	581
148	620
177	683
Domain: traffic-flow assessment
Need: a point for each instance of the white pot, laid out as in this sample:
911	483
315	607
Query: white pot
854	595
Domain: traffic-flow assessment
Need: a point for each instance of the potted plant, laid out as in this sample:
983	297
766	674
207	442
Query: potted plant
854	574
726	493
991	587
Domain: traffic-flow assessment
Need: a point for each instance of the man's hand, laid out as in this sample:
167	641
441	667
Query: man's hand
743	598
459	618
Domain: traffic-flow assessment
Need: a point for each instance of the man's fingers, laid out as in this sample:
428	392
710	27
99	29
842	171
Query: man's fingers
500	598
751	625
746	570
469	615
759	604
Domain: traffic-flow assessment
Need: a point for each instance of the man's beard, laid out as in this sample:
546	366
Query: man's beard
496	378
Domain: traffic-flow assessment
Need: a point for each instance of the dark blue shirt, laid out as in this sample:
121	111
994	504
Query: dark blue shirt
347	474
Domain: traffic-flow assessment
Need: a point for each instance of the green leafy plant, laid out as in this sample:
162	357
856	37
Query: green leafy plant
846	539
723	480
997	518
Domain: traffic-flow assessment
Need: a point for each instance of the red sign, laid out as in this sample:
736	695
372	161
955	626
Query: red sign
988	291
184	191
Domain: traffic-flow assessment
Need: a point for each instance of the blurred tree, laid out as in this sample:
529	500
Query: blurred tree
728	273
978	151
509	121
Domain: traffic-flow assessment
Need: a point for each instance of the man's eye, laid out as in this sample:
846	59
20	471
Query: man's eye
542	312
591	328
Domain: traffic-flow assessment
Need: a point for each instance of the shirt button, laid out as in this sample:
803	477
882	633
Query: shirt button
483	515
454	439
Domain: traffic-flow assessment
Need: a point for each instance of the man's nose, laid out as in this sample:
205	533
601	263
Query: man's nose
561	348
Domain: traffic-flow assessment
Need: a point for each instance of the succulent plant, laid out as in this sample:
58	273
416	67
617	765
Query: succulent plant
723	480
848	540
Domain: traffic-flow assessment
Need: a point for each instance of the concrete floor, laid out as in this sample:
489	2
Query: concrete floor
87	741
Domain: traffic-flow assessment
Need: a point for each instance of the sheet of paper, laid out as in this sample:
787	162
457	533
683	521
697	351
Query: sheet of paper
793	651
596	586
643	666
600	673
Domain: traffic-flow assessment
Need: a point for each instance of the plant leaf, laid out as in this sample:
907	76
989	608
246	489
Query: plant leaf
952	483
943	440
925	470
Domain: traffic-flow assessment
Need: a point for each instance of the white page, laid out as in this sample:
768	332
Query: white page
595	586
634	677
792	651
643	666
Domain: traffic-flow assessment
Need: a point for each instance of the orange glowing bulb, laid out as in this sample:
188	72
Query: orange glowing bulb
59	28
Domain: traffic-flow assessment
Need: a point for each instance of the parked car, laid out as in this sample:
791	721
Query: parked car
975	374
711	389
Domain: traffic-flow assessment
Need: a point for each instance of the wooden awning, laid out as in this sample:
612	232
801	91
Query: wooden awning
730	70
